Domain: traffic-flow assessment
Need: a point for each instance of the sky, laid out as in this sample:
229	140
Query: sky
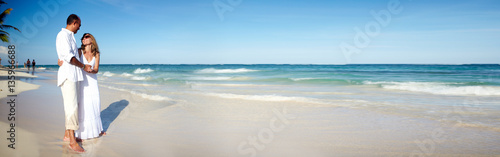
264	31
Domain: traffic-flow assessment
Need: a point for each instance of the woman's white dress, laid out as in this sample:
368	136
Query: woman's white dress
89	106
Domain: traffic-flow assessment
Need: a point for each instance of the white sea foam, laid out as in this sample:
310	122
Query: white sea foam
229	85
439	88
134	84
143	95
107	74
273	98
139	78
210	78
301	79
114	88
219	78
142	71
151	97
212	70
126	75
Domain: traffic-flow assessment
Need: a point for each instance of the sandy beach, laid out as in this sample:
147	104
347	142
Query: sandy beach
225	126
235	78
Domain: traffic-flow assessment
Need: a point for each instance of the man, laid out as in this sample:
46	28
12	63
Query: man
68	76
33	64
29	64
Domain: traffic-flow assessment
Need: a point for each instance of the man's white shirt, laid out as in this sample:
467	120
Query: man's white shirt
67	49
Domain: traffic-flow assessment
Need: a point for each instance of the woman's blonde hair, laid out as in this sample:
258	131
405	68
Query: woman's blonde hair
95	47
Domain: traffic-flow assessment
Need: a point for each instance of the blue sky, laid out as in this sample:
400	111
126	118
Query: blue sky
264	31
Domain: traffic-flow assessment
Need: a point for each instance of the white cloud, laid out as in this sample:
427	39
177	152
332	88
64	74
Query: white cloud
4	50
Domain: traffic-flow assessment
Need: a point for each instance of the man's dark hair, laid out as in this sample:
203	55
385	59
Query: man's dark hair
71	19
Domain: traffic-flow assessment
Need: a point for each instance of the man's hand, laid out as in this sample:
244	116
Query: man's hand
88	68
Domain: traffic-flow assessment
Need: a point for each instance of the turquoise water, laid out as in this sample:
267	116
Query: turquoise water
479	80
424	91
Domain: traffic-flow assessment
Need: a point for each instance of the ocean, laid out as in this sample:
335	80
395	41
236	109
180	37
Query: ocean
464	95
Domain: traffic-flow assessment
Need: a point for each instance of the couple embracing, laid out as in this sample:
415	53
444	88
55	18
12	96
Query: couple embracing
78	81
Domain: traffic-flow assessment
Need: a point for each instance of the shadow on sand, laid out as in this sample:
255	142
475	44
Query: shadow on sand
109	114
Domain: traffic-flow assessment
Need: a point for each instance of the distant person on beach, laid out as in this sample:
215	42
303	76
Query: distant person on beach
68	76
89	108
28	63
33	64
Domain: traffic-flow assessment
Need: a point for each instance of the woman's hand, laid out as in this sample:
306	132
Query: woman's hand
59	62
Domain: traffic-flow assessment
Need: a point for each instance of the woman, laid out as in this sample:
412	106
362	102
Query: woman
89	103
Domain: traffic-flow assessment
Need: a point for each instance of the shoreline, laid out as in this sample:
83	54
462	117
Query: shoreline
197	125
20	86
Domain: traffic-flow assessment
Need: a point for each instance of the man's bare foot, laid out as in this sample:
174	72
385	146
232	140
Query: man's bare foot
66	136
76	147
102	133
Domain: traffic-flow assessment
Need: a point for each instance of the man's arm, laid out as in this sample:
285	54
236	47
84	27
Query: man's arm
63	49
77	63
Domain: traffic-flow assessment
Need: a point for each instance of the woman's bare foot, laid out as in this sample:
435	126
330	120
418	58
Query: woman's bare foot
102	133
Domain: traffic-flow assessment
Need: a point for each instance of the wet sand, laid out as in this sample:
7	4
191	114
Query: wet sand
214	126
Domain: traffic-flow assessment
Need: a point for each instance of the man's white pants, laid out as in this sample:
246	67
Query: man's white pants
69	91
